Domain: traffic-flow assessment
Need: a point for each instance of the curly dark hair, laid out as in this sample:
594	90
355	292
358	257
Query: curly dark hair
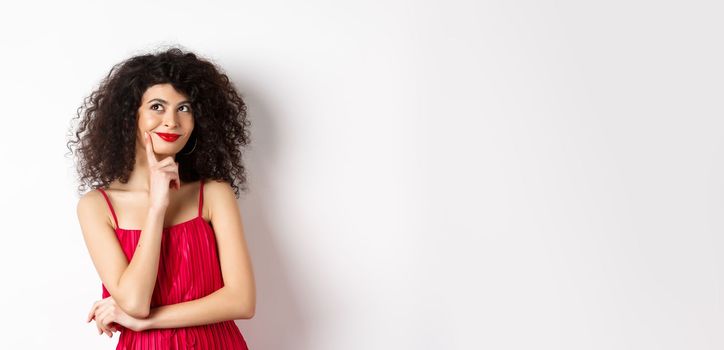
105	138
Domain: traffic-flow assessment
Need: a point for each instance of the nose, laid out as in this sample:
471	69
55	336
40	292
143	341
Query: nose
169	119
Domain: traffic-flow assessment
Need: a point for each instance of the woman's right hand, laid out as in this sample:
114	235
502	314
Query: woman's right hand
163	175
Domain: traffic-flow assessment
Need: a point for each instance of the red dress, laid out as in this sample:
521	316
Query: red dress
188	269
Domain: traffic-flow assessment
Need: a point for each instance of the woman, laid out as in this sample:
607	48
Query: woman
159	143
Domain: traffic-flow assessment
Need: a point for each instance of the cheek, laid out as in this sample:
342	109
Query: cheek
189	126
146	122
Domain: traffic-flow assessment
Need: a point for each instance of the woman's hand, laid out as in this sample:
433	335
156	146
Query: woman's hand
163	175
110	318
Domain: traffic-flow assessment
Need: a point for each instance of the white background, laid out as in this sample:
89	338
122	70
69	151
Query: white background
424	174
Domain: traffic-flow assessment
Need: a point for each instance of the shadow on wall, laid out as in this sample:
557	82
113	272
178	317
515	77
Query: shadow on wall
278	322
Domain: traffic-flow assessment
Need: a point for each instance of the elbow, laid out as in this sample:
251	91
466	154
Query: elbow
246	313
136	310
244	304
246	310
139	313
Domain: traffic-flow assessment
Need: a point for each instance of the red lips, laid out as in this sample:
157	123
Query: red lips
168	137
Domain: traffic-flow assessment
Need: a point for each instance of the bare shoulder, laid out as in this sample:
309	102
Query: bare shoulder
91	206
217	186
88	203
219	195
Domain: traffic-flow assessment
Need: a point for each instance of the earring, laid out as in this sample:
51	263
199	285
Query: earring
192	149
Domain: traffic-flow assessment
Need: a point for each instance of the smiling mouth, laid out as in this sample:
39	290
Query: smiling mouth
168	137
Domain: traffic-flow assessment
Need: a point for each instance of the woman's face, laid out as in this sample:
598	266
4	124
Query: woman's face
165	113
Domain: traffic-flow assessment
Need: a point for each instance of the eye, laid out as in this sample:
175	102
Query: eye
188	108
154	105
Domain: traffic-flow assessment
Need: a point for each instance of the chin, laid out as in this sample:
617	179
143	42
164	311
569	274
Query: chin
166	153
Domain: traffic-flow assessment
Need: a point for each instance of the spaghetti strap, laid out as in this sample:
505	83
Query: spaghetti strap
109	205
201	196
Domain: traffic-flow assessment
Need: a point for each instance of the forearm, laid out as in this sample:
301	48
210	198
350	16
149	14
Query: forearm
221	305
139	279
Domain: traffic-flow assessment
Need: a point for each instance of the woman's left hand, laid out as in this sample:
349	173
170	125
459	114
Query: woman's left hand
106	312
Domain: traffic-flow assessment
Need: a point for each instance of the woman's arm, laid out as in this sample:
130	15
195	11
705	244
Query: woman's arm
237	298
130	284
221	305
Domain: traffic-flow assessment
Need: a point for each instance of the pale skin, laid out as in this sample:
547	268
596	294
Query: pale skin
154	198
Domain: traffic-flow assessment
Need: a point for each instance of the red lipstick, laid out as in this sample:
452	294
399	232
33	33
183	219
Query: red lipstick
168	137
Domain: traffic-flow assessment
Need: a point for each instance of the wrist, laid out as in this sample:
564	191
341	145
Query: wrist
145	323
158	210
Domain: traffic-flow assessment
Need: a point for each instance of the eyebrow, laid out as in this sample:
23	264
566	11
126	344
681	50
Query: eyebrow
165	102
